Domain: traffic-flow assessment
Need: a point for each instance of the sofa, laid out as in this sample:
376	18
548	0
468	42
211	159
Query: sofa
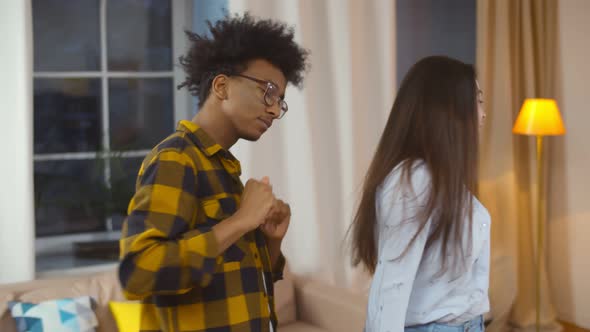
303	304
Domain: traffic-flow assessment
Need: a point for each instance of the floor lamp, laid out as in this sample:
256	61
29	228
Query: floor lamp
539	117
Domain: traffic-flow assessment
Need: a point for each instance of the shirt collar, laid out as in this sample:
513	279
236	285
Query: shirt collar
205	143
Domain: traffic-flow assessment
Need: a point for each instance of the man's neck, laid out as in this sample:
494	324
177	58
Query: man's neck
216	126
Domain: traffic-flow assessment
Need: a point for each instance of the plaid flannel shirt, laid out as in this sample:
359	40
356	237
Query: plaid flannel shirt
185	186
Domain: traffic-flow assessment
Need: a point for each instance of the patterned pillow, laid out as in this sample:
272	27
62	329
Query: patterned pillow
61	315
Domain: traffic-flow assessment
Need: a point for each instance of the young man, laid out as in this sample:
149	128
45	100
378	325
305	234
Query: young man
200	249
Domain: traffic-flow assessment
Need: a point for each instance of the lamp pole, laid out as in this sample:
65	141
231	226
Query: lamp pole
540	226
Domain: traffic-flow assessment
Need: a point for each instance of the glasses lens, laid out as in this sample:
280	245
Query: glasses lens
284	108
271	95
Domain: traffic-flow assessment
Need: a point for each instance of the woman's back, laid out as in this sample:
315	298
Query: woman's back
418	228
410	286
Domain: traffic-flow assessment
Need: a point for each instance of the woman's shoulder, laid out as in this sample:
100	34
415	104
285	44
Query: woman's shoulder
412	179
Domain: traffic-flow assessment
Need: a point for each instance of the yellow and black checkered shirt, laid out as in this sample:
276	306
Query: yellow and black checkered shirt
185	186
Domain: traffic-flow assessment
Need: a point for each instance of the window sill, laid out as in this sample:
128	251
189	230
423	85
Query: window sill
62	268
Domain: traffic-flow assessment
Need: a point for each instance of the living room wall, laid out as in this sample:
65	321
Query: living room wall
569	211
16	191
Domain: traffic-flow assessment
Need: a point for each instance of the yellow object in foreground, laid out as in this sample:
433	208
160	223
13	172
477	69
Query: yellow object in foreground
128	316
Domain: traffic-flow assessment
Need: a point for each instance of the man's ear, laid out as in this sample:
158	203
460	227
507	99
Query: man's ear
219	86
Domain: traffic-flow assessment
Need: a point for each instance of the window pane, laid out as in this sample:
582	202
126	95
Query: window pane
141	112
123	175
139	35
66	35
67	115
70	196
433	27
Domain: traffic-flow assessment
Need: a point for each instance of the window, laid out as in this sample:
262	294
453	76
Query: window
104	95
432	27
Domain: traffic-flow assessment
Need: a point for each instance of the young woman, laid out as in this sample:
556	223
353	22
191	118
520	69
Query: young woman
419	228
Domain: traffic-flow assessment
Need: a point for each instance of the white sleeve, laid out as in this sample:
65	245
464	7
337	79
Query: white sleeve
397	211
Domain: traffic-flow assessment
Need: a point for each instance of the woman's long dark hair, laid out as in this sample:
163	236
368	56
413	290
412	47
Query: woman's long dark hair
433	120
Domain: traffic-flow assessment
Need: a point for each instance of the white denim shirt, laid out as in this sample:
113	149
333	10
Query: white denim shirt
410	291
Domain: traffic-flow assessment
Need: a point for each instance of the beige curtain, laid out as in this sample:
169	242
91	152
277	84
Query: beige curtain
516	58
318	153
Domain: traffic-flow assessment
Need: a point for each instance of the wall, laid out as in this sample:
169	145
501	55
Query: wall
569	218
16	189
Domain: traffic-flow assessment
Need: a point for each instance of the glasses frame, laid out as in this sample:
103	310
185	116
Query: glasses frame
267	98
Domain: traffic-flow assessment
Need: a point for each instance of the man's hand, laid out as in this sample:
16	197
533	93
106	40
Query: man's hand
277	221
257	202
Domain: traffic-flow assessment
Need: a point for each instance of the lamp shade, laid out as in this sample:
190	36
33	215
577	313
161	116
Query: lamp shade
539	117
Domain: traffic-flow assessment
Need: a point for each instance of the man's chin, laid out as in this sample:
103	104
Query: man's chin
252	137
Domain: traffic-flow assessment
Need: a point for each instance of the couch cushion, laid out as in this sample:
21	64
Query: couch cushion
324	305
285	299
60	315
103	287
4	298
301	327
6	321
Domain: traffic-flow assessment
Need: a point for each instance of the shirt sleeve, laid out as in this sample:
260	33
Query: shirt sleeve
160	252
279	268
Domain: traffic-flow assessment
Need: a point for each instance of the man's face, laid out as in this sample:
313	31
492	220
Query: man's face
246	107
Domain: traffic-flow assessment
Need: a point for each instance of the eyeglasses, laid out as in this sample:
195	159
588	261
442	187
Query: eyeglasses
271	94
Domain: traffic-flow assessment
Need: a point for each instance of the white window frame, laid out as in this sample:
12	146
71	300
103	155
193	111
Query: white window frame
181	20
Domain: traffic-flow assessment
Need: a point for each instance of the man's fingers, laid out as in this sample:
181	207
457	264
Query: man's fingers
266	181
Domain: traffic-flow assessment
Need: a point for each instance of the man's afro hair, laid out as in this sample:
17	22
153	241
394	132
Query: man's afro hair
236	40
